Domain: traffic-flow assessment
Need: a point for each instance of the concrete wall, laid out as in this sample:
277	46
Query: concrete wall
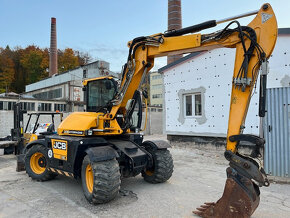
211	75
154	123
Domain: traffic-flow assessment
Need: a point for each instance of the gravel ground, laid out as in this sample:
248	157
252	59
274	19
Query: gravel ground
199	176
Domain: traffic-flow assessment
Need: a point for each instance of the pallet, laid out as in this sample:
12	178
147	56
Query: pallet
6	144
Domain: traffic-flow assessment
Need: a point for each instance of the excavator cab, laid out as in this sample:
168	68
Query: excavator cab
99	92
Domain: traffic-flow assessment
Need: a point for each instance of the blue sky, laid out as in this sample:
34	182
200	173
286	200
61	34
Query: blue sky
103	27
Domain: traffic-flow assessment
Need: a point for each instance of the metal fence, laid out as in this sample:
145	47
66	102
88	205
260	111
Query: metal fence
277	132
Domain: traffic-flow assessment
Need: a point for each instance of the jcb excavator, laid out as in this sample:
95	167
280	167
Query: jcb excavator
103	144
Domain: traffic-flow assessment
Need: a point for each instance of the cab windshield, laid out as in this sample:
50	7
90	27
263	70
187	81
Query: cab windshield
99	93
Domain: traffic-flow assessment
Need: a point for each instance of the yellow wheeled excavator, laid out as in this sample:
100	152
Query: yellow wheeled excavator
104	143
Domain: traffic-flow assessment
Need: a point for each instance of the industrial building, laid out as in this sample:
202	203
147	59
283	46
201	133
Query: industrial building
67	86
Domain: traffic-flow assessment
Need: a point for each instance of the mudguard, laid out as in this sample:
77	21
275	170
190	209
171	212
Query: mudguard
156	144
36	142
101	153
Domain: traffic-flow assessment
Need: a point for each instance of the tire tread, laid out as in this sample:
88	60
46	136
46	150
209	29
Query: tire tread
163	167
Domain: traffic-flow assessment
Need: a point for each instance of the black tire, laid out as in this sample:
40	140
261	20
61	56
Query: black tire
106	180
43	176
162	167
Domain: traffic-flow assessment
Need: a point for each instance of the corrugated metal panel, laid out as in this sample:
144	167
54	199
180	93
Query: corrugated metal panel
277	132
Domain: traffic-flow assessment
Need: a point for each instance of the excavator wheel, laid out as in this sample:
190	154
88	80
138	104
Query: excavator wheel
240	199
36	163
100	180
162	168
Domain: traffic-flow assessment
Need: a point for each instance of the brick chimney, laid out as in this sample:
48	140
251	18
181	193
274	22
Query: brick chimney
53	49
174	22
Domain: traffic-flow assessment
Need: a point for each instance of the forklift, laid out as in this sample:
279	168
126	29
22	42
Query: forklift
20	136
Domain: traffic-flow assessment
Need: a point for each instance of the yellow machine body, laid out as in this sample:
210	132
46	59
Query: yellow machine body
78	123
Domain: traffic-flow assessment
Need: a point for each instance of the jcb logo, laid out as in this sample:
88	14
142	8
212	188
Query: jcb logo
59	145
59	149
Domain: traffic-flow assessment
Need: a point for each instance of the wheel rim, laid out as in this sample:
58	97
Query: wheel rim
89	178
38	163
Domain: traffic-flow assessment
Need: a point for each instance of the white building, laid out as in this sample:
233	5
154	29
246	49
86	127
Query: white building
197	90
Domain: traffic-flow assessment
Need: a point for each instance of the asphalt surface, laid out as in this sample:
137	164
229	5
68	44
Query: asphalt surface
199	176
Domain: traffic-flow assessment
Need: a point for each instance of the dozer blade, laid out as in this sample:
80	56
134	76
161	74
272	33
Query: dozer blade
240	199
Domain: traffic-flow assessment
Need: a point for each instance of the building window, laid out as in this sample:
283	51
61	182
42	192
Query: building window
192	105
7	105
157	96
158	86
28	106
85	74
198	105
32	107
10	105
52	94
60	107
44	107
156	77
188	105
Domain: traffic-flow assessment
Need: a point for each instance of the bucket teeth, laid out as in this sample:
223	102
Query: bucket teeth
206	208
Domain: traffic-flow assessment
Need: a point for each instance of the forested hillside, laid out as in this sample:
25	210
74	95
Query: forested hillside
22	66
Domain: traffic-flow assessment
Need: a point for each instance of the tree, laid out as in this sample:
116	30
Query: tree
33	64
20	67
44	64
83	58
67	60
7	70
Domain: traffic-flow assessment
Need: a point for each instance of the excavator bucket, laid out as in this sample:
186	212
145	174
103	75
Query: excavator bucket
240	199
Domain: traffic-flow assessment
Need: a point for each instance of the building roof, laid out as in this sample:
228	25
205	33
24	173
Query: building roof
9	94
281	31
